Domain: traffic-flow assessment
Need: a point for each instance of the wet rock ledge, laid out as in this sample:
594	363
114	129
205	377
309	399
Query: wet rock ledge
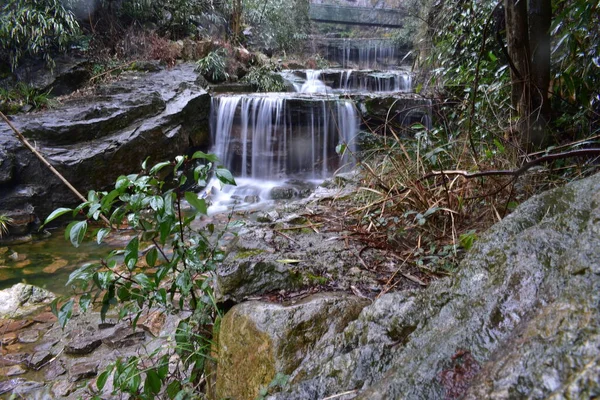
93	139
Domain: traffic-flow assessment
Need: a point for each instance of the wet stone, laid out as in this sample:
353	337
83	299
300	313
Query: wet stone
124	336
63	388
13	370
55	370
39	359
8	339
83	370
83	345
10	385
45	317
12	326
14	359
153	323
31	336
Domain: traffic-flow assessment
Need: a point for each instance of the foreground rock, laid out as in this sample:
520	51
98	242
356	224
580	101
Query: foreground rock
259	340
23	299
520	319
92	140
42	360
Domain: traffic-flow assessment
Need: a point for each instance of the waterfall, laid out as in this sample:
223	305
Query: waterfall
272	138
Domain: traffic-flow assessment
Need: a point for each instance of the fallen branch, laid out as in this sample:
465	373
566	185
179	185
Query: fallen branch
514	172
47	164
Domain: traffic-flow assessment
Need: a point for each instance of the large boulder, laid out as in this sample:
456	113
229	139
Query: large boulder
259	340
519	320
92	140
23	299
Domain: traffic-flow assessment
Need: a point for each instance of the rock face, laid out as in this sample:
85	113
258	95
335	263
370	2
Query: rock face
258	340
520	319
93	140
22	299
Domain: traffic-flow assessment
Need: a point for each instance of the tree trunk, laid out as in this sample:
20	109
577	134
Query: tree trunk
528	42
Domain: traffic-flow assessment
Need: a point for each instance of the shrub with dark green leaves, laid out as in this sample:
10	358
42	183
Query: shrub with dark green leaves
263	79
213	66
35	27
169	265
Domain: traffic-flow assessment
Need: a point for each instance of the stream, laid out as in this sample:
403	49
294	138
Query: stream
279	146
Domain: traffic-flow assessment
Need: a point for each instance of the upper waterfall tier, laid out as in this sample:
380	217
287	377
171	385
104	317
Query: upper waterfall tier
274	137
348	80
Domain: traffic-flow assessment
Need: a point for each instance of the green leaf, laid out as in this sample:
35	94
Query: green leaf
84	302
65	313
84	273
204	156
173	389
158	167
144	281
151	257
102	378
153	382
157	203
131	253
341	148
198	204
102	233
56	213
225	176
76	232
122	183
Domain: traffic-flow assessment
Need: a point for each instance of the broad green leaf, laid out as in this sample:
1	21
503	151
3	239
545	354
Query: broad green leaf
173	389
340	148
83	273
225	176
102	378
157	203
204	156
122	183
153	382
102	233
85	301
151	257
131	253
77	232
198	204
65	312
158	167
144	281
56	213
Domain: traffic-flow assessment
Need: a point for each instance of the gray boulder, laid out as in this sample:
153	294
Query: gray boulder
23	299
93	140
259	340
519	320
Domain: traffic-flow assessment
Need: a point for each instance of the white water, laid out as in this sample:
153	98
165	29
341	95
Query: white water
264	141
264	137
349	80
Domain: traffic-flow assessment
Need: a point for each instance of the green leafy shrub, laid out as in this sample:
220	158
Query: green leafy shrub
168	265
5	221
35	27
213	66
263	79
13	100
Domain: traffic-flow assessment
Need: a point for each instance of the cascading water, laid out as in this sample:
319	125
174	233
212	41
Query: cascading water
335	80
264	139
